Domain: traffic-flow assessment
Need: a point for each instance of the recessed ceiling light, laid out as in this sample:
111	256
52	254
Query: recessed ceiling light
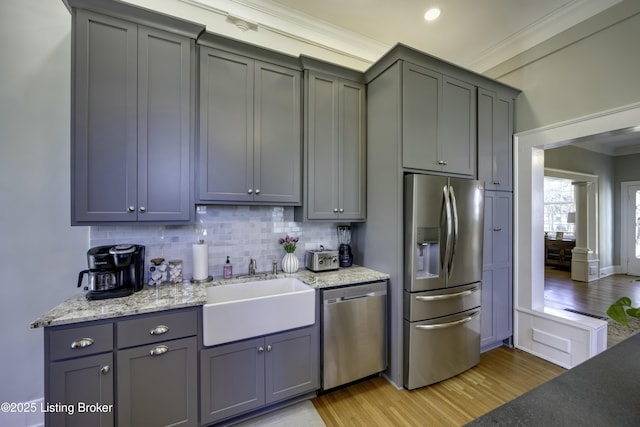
432	14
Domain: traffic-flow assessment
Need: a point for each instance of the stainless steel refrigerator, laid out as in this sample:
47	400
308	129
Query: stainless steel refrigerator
443	268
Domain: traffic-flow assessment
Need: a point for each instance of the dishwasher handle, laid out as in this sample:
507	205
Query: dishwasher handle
337	300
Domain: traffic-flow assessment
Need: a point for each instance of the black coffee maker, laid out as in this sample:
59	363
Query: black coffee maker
344	251
114	271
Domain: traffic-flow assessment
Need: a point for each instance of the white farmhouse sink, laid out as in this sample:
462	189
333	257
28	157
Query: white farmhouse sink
244	310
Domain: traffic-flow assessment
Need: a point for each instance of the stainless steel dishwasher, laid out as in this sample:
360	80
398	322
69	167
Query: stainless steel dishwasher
354	333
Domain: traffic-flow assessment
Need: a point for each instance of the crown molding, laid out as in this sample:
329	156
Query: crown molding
295	25
554	23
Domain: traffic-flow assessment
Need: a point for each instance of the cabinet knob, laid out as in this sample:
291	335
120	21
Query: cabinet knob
142	209
250	191
159	350
269	348
105	369
497	228
335	210
257	191
159	330
131	209
82	343
260	349
341	210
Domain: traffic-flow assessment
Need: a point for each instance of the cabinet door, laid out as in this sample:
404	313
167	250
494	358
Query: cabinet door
85	380
277	146
495	148
352	154
503	145
158	384
457	127
292	364
226	127
322	146
103	154
421	93
231	379
498	213
164	126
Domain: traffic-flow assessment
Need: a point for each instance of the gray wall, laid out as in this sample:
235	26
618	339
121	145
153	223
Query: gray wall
576	159
40	254
578	73
627	168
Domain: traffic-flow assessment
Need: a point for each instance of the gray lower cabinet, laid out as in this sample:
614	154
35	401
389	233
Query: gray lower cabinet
77	382
497	289
244	376
250	143
79	371
335	160
438	122
157	384
140	371
495	145
132	120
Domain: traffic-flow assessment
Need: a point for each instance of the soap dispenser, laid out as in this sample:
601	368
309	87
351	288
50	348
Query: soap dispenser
228	269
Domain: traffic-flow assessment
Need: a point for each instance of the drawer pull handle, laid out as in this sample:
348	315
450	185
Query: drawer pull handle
159	350
159	330
497	228
105	369
82	343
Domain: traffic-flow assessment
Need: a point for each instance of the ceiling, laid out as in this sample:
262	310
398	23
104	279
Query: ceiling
476	34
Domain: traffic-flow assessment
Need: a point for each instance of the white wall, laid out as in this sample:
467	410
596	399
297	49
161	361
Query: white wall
40	254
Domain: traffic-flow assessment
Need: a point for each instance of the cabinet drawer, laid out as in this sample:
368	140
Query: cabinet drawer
156	328
80	341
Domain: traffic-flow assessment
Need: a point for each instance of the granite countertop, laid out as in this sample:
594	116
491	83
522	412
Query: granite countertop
168	296
602	391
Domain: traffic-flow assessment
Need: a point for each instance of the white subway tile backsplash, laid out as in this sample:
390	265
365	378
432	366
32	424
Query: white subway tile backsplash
240	232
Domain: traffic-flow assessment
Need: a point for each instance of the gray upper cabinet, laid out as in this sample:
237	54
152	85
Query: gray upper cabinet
132	121
438	122
335	155
495	147
250	149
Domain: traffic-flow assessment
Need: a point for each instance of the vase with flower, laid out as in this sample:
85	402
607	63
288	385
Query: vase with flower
290	260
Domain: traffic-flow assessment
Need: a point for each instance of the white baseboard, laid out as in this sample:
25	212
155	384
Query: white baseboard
611	270
27	414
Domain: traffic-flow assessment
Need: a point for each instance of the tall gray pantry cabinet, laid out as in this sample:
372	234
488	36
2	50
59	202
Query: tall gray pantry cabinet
133	91
414	103
495	159
250	140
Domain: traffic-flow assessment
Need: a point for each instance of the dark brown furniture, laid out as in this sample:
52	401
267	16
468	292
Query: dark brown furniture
557	253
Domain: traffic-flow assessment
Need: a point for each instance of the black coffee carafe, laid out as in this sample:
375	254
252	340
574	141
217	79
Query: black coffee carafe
344	251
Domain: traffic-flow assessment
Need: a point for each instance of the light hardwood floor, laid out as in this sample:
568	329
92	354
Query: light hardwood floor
502	374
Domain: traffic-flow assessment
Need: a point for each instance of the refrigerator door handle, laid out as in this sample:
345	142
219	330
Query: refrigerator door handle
454	240
446	259
448	324
445	296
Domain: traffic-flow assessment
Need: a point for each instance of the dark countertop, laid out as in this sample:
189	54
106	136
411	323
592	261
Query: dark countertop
602	391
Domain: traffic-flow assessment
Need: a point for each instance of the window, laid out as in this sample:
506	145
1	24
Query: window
558	203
